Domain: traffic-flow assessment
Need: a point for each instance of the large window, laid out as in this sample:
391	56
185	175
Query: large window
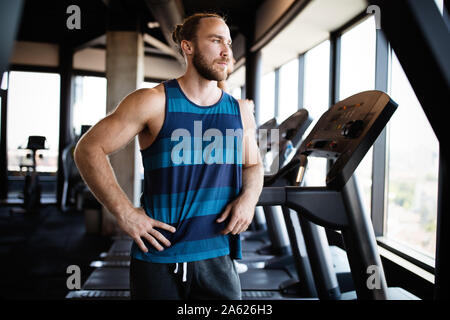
4	81
89	101
33	109
413	169
267	110
237	93
148	84
316	101
358	48
288	98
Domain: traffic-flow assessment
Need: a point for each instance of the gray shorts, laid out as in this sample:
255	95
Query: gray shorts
211	279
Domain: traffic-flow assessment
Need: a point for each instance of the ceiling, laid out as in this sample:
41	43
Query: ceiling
45	20
309	28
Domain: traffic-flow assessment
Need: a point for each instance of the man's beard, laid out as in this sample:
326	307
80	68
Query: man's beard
205	70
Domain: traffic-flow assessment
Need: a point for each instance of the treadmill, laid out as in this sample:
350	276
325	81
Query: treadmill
277	254
110	279
279	273
343	134
285	139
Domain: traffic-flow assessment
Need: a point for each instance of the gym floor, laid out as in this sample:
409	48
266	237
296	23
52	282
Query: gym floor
35	252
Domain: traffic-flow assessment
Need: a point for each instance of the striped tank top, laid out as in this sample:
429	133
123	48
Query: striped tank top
192	171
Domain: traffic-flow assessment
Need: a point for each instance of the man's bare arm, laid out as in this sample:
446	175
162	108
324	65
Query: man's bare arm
110	135
242	208
253	169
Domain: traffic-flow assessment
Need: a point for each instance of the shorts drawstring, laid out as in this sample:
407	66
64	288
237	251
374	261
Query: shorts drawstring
184	270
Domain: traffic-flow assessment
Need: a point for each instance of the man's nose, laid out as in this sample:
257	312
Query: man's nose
226	51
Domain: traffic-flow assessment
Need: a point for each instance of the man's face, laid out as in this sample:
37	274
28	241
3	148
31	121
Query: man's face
212	49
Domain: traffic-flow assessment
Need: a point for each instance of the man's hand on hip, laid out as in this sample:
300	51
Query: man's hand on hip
138	224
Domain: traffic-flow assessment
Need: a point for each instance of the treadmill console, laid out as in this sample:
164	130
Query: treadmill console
346	132
290	133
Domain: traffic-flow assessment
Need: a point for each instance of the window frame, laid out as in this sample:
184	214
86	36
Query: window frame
378	212
34	69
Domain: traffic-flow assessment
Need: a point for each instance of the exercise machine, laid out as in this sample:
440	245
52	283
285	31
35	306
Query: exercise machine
32	190
280	143
343	135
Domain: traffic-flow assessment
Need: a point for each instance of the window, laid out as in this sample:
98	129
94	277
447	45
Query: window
4	85
33	109
440	5
316	101
358	59
89	101
237	92
357	74
413	169
288	98
146	84
267	110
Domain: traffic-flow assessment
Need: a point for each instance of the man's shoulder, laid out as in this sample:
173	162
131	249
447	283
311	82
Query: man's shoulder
145	103
154	94
150	99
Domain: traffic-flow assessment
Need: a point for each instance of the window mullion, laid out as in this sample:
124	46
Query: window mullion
379	163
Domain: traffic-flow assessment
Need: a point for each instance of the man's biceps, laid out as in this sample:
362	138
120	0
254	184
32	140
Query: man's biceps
116	143
112	136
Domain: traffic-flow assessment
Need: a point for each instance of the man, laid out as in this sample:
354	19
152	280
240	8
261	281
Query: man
193	209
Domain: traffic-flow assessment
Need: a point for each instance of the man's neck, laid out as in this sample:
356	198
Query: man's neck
198	89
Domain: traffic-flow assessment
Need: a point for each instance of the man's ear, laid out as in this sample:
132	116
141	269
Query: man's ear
187	47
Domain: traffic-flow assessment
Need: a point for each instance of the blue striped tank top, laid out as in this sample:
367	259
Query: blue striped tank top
192	171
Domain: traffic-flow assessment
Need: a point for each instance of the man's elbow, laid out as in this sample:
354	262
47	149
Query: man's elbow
81	152
78	153
257	166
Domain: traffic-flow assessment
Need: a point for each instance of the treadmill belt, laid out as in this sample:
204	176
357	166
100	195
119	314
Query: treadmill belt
123	245
262	279
108	279
253	245
98	295
110	264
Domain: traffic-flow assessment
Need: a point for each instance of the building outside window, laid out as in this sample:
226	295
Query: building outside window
413	170
33	109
